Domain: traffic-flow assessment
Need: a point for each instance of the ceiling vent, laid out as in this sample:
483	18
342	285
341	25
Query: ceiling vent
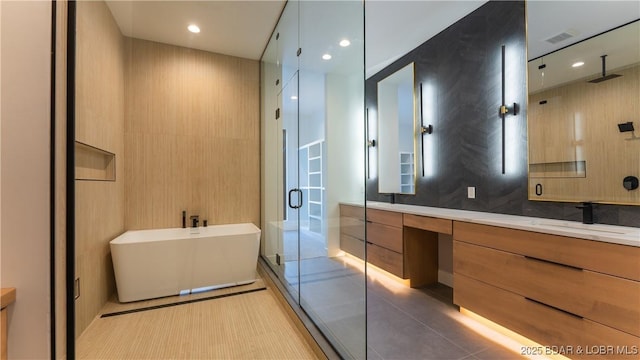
558	38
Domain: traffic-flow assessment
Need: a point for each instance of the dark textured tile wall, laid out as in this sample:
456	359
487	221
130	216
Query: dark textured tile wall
463	65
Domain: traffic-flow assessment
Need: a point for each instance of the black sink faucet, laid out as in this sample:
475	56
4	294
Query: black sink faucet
194	221
587	212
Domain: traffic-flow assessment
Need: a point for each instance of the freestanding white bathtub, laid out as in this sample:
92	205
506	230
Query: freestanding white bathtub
155	263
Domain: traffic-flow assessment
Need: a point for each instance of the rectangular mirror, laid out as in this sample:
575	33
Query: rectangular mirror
583	111
396	132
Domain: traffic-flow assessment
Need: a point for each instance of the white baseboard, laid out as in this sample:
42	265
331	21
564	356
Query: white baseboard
445	278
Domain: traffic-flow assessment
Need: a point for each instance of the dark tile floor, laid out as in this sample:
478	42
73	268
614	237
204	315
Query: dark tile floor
401	323
423	324
397	323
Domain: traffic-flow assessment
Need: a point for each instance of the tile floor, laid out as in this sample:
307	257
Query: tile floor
402	323
423	324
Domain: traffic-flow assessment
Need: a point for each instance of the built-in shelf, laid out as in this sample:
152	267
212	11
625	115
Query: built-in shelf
312	184
566	169
94	164
407	174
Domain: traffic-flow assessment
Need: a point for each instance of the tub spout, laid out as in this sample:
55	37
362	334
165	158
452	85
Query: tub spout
194	221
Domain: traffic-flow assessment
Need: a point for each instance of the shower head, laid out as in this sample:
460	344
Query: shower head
604	76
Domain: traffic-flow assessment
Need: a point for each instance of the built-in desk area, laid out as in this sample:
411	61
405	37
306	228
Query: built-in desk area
559	283
7	296
404	245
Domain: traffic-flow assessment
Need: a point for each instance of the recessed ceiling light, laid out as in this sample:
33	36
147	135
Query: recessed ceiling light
193	28
578	64
345	43
293	97
326	57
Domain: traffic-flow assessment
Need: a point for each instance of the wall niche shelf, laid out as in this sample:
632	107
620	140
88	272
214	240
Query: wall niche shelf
94	164
566	169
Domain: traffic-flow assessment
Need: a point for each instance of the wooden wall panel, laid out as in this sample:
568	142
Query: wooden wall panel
99	95
60	179
191	136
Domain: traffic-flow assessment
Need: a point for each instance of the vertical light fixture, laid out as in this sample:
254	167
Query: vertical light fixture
423	129
505	110
370	133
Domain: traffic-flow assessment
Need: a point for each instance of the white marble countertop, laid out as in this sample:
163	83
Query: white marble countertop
599	232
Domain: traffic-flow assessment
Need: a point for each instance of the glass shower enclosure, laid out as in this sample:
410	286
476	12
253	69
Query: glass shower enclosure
313	159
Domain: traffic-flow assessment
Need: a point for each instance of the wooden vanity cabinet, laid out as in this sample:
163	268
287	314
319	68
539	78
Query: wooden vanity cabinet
385	245
556	290
352	227
404	245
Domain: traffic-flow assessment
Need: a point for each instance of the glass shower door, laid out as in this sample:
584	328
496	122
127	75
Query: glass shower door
291	199
313	160
279	83
331	168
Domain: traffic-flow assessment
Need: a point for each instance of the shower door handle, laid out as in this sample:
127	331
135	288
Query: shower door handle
299	199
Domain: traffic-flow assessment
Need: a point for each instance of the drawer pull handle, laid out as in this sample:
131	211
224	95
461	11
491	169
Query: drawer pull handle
552	262
554	308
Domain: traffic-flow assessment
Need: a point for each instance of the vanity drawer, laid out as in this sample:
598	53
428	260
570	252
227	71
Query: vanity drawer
390	218
352	227
607	258
385	259
606	299
352	245
352	211
386	236
443	226
542	323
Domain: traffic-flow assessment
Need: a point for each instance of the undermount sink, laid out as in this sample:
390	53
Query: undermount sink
578	226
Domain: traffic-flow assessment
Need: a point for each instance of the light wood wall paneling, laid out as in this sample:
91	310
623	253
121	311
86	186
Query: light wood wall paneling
191	136
100	61
60	178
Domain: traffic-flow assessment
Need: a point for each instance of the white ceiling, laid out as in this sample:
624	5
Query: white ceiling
622	47
237	28
582	19
393	28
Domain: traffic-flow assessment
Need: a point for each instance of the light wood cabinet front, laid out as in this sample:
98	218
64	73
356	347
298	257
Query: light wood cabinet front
352	229
543	324
385	259
390	218
556	290
607	258
606	299
389	237
443	226
3	334
385	245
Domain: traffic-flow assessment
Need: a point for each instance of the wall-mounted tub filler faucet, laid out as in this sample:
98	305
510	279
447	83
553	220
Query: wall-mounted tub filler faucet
587	212
194	221
184	219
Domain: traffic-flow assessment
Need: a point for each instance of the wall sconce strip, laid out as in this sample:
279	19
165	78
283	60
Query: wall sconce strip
369	142
505	110
421	129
